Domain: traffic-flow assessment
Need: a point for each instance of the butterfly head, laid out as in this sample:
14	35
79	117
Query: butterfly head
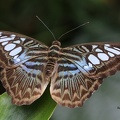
56	43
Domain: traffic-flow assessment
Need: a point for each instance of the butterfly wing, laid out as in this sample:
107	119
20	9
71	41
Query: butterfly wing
81	69
22	61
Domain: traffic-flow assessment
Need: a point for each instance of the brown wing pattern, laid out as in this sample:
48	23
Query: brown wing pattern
77	71
22	61
81	69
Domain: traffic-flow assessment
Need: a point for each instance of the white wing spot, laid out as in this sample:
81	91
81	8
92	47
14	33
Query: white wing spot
85	48
16	59
76	50
0	33
107	45
13	35
4	43
111	54
17	41
103	56
90	65
23	39
9	47
98	50
5	38
15	51
116	48
93	59
94	46
113	50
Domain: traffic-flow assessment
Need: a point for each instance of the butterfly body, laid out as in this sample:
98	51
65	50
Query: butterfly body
27	66
53	55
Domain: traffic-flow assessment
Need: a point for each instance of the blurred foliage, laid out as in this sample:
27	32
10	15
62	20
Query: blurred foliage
40	110
61	16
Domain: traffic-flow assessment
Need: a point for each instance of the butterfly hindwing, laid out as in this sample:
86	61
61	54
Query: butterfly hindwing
22	62
70	87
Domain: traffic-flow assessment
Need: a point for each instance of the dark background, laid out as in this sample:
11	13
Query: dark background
61	16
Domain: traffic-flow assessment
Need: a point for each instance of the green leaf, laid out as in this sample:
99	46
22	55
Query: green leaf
41	109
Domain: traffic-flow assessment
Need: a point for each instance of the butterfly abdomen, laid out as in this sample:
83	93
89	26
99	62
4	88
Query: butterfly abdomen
49	69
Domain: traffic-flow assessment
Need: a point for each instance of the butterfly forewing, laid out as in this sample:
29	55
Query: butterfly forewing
22	62
81	69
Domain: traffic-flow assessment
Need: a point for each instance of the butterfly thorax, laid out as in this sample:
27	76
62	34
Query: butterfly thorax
53	55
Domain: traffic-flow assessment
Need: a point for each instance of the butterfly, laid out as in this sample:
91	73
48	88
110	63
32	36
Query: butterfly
27	66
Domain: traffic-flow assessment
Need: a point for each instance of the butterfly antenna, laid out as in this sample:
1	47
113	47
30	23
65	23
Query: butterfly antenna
46	27
72	30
